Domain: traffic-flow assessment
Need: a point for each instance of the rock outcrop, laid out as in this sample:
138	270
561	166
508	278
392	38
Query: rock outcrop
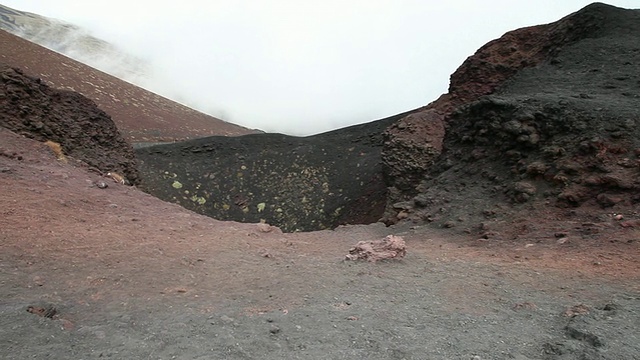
565	95
33	109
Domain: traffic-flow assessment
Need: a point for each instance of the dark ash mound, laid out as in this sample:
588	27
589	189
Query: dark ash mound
33	109
297	184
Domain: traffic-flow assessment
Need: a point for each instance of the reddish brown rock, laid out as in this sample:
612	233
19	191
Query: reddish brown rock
630	224
576	310
411	146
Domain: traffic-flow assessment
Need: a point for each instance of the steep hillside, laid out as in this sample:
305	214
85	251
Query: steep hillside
141	115
481	74
74	42
560	128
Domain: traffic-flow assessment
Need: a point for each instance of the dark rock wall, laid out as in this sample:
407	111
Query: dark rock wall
33	109
298	184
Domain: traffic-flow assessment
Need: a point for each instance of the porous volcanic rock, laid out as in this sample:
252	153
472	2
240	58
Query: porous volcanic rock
295	183
407	141
563	133
561	122
391	247
35	110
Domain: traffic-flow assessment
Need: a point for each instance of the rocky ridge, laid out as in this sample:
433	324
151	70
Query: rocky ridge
542	118
524	126
545	115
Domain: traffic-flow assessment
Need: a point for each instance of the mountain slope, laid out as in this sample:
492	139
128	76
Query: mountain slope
555	136
481	74
142	116
74	42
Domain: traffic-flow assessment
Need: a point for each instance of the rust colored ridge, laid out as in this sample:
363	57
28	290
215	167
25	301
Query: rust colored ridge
141	115
500	59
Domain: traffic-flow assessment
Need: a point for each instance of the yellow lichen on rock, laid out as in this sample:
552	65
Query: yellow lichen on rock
198	199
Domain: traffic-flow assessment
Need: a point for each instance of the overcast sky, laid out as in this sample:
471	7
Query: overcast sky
303	66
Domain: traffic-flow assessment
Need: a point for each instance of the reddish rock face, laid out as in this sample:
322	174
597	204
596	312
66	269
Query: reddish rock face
500	59
413	143
411	146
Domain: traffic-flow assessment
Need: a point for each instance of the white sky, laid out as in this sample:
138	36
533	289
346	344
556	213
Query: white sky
303	66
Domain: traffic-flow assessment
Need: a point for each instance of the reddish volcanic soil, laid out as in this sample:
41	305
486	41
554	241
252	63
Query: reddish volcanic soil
123	274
